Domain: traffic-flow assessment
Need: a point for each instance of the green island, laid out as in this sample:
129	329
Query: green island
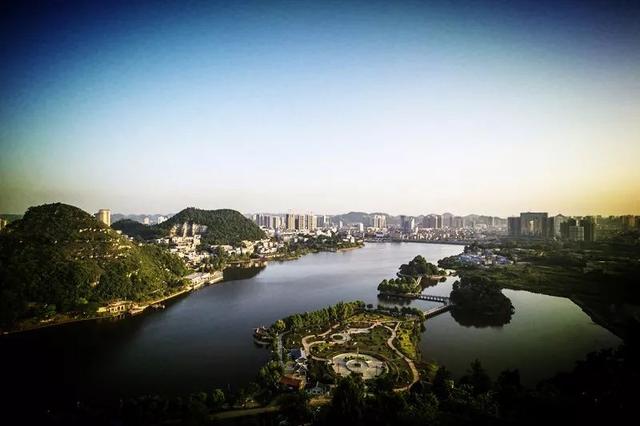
478	302
60	264
412	278
350	338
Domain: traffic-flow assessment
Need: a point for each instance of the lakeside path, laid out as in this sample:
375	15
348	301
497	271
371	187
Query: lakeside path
409	361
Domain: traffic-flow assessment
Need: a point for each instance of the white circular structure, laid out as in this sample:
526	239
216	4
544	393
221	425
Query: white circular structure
366	365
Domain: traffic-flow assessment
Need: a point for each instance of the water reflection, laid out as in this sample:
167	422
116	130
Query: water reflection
232	274
470	318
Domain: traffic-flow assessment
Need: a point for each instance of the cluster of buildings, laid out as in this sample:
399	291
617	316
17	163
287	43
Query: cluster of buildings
159	219
541	225
377	227
481	257
292	221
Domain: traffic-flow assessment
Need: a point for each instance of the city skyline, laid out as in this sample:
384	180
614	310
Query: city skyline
399	107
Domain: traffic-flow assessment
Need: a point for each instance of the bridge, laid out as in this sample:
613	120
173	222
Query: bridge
446	302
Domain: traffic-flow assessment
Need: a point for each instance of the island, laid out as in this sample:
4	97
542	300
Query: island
342	340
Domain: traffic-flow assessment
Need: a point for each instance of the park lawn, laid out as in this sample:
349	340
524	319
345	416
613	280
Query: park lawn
371	317
405	340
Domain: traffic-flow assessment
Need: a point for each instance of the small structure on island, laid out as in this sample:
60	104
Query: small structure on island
293	382
298	355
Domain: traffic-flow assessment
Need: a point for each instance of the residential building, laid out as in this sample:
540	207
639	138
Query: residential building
432	221
457	222
104	216
533	224
290	221
588	225
379	221
576	233
311	222
513	226
408	224
554	225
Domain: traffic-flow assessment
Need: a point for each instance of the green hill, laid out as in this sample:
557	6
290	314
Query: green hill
60	255
138	230
223	226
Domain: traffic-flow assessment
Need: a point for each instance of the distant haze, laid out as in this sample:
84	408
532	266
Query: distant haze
322	107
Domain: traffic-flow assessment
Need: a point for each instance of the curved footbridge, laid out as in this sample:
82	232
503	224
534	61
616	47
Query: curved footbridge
446	302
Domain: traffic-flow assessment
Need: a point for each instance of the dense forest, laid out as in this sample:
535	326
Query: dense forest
58	258
138	230
477	301
419	266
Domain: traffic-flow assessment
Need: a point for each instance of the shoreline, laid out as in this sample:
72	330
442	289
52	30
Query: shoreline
147	304
105	317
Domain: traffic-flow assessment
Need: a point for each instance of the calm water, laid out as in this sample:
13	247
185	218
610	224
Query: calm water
203	340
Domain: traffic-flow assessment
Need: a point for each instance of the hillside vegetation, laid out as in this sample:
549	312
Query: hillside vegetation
224	226
58	258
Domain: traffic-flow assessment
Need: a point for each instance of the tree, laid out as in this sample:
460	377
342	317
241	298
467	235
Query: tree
269	375
348	402
295	407
477	377
216	399
442	383
279	326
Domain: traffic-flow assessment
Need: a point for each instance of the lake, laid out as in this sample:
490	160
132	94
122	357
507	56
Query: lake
204	340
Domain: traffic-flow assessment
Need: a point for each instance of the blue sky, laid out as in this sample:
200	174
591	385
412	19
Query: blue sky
405	107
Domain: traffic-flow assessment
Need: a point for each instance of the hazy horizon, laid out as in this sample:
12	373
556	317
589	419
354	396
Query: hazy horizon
403	107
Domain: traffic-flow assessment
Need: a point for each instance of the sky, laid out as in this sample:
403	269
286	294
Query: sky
405	107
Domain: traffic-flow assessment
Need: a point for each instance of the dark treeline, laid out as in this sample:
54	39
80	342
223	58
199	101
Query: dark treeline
320	318
600	390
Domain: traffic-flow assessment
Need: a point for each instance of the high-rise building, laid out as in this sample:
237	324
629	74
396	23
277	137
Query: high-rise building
564	227
104	216
533	224
513	226
301	222
576	233
3	223
323	221
146	220
588	225
379	221
408	224
290	221
312	222
457	222
554	224
447	220
433	221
